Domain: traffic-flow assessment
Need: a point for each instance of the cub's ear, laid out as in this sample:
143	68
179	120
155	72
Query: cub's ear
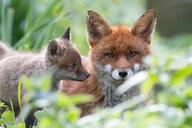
145	25
67	34
97	27
54	49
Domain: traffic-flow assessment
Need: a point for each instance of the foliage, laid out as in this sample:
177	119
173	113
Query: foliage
29	24
170	105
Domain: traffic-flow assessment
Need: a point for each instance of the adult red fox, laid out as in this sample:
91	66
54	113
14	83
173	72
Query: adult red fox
115	54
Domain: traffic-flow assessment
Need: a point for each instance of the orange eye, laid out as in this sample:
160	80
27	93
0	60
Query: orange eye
110	55
132	54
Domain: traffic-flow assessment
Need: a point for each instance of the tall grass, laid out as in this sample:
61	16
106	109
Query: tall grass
29	24
33	27
7	15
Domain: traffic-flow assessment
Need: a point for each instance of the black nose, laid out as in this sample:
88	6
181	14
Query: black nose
87	75
122	74
84	76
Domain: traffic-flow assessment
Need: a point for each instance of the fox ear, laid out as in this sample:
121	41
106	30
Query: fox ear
67	34
54	49
145	25
97	27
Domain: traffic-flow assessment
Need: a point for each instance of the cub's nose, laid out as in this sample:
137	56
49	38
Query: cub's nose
122	74
84	76
87	74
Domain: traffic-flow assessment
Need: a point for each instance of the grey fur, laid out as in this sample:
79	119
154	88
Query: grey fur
14	66
109	86
112	98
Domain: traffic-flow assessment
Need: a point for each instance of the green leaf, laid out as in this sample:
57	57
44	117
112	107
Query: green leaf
81	99
8	118
150	82
178	78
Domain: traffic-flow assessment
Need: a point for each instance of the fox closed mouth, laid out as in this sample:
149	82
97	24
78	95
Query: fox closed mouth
117	80
120	74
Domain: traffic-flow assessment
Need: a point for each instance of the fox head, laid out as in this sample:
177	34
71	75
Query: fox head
65	59
117	51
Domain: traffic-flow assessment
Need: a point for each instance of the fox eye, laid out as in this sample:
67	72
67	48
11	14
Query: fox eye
132	54
110	55
72	66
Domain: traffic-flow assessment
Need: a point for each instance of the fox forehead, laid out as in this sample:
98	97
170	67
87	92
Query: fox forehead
70	57
121	40
64	43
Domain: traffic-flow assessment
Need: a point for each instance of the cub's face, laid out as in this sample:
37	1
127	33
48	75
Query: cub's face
65	59
117	52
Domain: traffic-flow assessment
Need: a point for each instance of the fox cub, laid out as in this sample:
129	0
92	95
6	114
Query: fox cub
59	57
116	53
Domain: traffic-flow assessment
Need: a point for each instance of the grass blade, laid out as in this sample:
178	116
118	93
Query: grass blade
41	22
3	21
10	18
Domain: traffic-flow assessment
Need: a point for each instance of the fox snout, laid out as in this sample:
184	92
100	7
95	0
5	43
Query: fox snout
121	74
83	76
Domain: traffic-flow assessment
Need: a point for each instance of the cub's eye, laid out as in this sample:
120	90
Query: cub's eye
132	54
72	66
110	55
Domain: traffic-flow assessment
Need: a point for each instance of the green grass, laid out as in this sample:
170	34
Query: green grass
30	24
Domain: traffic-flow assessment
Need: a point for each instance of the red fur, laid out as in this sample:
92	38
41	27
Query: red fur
120	40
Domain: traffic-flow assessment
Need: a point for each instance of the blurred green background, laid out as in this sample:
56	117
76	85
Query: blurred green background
29	24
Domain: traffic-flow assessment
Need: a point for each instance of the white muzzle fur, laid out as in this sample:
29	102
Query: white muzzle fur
121	74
